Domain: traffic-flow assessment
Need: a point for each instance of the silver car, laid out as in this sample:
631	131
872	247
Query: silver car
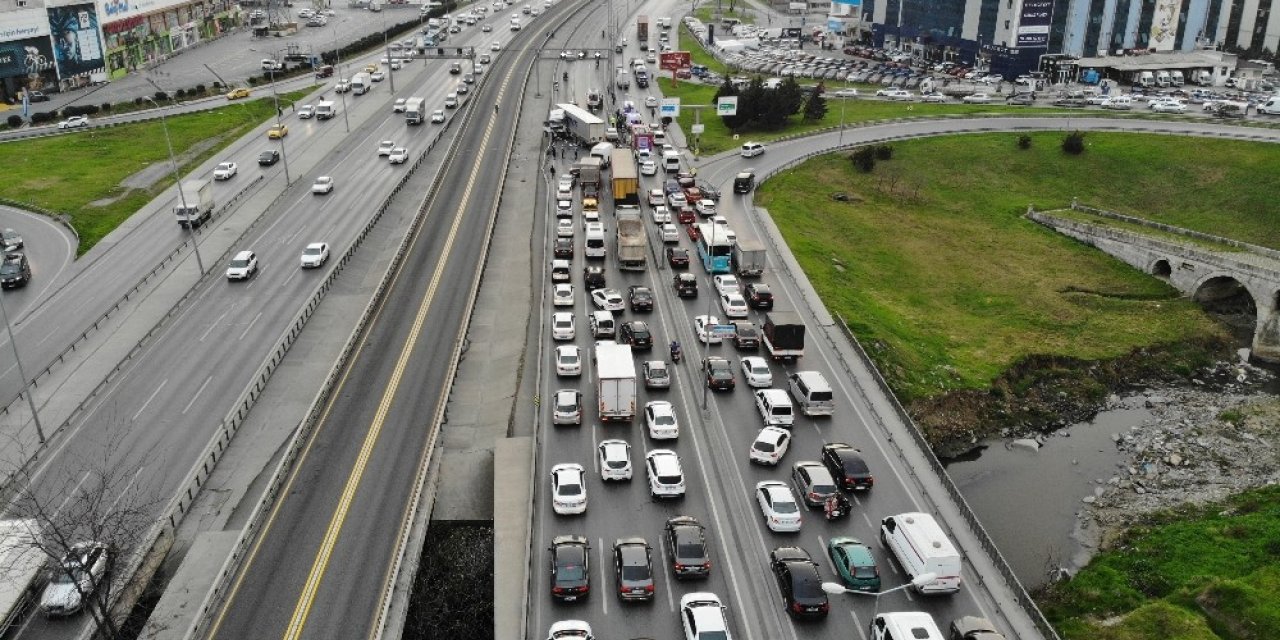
567	408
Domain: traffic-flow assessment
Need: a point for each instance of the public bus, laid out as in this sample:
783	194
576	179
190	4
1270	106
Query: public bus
715	247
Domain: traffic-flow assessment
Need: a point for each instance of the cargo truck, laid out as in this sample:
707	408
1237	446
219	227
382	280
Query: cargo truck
626	181
642	76
360	83
325	110
195	206
641	137
784	335
415	110
642	32
582	124
616	381
22	563
633	248
589	177
748	258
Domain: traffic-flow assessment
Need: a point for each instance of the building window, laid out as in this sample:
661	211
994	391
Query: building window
1006	25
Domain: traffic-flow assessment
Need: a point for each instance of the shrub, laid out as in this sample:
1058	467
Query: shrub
160	95
180	93
217	85
884	152
137	101
1024	141
1073	143
106	107
41	117
199	90
253	81
864	159
14	121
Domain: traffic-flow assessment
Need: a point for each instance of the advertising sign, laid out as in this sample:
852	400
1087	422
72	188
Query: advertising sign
727	106
1164	25
792	32
77	43
28	57
670	107
673	60
1033	23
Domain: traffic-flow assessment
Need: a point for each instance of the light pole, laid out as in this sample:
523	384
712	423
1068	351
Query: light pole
275	95
337	53
26	386
842	102
386	43
711	245
835	588
177	179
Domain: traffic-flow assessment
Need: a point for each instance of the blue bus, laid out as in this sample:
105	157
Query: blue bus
715	247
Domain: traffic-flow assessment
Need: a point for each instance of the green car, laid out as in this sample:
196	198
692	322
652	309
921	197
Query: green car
855	564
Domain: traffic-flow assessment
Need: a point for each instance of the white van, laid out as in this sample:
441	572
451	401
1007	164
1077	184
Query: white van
594	246
812	393
1271	107
602	324
921	547
912	625
775	407
671	162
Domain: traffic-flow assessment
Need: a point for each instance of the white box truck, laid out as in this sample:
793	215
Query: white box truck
23	565
748	258
616	381
325	110
921	547
632	245
360	83
415	110
195	204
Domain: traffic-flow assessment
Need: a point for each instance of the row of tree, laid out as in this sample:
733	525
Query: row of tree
761	107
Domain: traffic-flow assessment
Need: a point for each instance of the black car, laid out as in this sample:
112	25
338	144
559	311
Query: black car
268	158
744	182
570	568
593	277
671	186
633	569
847	466
686	285
745	335
15	271
636	333
759	296
36	96
719	373
799	582
686	542
678	257
709	192
564	248
641	297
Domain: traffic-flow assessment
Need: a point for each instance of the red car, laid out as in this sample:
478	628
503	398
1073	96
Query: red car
686	215
683	73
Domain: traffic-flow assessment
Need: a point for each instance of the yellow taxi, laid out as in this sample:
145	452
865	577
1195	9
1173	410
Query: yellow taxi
278	131
236	94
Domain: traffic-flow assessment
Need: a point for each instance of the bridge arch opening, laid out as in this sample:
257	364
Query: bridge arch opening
1161	269
1230	302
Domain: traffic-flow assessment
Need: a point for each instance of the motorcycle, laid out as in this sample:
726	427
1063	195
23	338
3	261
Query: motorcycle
676	353
836	507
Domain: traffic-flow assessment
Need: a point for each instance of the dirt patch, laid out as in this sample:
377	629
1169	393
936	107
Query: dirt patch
153	173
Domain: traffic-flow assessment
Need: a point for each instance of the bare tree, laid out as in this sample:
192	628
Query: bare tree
87	514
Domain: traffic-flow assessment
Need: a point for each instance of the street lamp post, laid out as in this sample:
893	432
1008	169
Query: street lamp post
26	385
177	179
338	65
275	95
707	328
835	588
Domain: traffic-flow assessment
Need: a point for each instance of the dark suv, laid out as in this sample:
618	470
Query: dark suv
759	296
593	277
636	333
799	582
15	271
687	547
847	466
641	297
686	285
719	373
745	335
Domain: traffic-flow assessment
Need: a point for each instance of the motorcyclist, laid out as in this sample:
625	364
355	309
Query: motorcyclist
675	351
831	507
566	76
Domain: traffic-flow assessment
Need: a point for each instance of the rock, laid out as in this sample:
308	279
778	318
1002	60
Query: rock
1139	490
1089	499
1155	401
1174	459
1029	444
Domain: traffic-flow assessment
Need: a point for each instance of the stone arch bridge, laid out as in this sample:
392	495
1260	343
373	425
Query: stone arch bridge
1205	267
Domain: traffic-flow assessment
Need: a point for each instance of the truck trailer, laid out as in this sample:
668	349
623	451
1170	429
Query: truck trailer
626	180
633	248
616	381
642	32
23	566
582	124
195	206
748	258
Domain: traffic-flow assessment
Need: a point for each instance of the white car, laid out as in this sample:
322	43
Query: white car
484	58
324	184
770	445
306	112
564	228
562	295
666	477
568	489
487	28
660	418
315	255
702	616
615	460
568	360
648	168
437	116
567	408
564	208
242	266
568	629
398	105
778	506
702	327
752	149
661	215
706	207
385	147
725	283
651	102
608	300
845	93
377	76
74	122
756	371
677	200
565	184
562	326
1169	106
590	216
670	233
894	94
734	306
976	98
656	197
934	97
81	571
495	46
398	155
225	171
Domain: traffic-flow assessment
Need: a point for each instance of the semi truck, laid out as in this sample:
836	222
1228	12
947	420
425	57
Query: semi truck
582	124
23	566
784	335
748	258
198	208
589	176
325	110
626	181
415	110
360	83
642	76
616	381
642	32
632	245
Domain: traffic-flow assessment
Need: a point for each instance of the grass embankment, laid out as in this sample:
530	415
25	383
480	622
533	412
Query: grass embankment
66	173
1210	572
938	274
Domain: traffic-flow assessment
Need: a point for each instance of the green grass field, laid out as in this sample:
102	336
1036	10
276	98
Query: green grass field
936	271
1201	573
66	173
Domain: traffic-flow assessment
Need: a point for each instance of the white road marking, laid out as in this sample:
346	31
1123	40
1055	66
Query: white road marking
196	395
251	323
148	402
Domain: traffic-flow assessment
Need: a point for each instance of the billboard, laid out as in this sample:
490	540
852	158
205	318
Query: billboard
27	58
673	60
1164	25
77	43
1033	23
